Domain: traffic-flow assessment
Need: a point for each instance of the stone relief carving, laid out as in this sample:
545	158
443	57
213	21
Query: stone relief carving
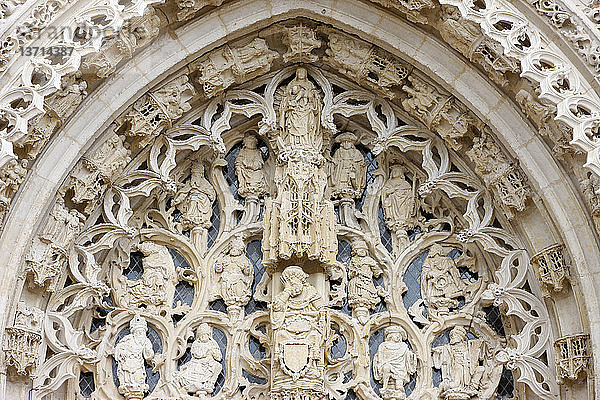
156	111
156	287
187	8
551	269
249	166
227	65
311	310
468	366
199	375
23	339
398	200
348	176
299	323
235	276
493	166
364	63
130	354
362	293
195	200
572	357
301	41
95	172
394	363
47	256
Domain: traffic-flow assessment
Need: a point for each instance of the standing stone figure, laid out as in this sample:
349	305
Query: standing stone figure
463	363
440	282
300	113
394	363
130	354
398	203
349	169
249	170
236	274
362	293
348	177
195	200
199	375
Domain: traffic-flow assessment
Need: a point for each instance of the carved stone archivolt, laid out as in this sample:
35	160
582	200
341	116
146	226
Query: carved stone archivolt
291	243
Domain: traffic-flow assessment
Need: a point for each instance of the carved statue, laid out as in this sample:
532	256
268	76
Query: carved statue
349	169
199	375
157	286
130	353
47	256
394	363
236	274
298	319
398	203
464	364
249	170
22	341
362	293
300	113
111	158
195	200
440	282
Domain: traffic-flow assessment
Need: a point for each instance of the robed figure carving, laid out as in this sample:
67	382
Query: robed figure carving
299	322
130	353
300	112
300	221
398	203
394	363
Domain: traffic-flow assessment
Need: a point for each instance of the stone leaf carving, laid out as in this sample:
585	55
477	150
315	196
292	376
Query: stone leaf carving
22	341
235	276
469	367
362	293
398	201
130	353
504	178
364	63
394	363
48	254
156	287
301	41
299	322
227	65
156	111
199	375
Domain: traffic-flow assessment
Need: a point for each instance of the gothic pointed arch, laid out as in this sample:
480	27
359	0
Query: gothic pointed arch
316	201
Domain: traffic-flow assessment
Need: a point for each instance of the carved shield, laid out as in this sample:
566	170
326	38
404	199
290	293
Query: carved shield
295	357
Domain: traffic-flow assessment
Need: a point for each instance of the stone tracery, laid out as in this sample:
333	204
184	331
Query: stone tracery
299	281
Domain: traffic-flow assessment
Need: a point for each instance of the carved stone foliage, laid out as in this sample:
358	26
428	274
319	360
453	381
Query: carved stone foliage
551	269
572	357
291	299
23	339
